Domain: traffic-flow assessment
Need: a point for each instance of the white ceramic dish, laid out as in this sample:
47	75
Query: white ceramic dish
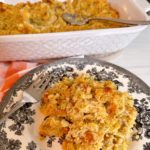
65	44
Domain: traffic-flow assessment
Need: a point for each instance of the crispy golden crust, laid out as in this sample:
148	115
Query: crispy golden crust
92	115
46	16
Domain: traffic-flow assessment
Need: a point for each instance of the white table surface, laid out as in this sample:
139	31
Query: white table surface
136	57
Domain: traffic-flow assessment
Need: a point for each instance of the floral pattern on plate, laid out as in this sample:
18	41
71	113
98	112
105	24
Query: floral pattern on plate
20	131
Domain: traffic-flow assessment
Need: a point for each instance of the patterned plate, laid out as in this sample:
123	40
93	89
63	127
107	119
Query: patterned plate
20	131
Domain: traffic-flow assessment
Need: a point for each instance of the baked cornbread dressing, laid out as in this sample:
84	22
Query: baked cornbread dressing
91	115
46	16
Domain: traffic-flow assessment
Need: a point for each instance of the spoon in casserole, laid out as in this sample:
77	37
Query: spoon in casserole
74	19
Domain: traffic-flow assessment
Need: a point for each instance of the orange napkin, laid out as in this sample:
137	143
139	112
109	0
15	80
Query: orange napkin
10	72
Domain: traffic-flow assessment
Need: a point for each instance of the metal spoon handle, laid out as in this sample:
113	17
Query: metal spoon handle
73	19
16	107
130	22
25	99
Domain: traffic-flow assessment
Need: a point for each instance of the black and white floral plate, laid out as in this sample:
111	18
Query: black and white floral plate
20	131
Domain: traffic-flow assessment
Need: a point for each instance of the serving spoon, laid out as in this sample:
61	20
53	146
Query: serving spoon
74	19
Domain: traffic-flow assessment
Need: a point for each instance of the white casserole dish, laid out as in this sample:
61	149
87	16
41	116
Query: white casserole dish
65	44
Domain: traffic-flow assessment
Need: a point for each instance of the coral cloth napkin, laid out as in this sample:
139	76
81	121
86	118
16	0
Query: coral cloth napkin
10	72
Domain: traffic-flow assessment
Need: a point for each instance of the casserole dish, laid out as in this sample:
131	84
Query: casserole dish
65	44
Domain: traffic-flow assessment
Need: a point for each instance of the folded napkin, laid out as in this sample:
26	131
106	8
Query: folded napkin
10	72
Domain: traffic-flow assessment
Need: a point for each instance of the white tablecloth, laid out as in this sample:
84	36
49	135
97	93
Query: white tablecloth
136	57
